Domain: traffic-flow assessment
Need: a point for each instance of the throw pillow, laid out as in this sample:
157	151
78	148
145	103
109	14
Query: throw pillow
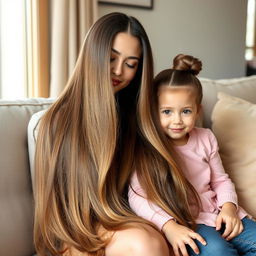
243	87
234	124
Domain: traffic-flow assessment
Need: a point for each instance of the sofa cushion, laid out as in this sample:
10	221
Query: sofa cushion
234	124
244	87
16	214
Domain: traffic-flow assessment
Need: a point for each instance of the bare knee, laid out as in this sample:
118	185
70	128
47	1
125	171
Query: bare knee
148	242
139	241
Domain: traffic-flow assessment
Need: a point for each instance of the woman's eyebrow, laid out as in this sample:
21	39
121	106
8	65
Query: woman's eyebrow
130	57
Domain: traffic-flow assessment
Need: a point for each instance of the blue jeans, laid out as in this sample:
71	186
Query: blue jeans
243	244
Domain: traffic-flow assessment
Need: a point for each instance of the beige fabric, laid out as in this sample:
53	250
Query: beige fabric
16	214
234	124
70	21
37	48
244	87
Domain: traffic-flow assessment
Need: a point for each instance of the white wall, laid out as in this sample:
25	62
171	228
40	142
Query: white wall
212	30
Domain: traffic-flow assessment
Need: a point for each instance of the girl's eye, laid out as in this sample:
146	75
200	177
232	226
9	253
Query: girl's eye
112	59
187	111
166	111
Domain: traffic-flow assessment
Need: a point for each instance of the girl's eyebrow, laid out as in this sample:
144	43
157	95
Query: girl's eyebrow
130	57
170	107
164	107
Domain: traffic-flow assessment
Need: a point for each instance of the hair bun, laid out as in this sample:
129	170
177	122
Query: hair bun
187	63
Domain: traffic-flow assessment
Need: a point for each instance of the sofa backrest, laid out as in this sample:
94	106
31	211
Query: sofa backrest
16	199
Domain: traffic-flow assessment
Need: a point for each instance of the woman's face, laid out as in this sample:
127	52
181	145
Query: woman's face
124	60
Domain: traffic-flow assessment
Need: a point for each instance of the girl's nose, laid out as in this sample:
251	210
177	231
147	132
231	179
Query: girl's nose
177	118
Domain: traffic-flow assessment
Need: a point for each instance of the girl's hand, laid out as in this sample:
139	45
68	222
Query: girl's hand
179	236
228	215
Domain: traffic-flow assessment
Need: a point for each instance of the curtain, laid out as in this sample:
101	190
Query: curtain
70	21
56	30
37	50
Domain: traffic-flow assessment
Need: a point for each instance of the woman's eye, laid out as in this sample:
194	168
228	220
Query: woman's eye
187	111
112	59
130	65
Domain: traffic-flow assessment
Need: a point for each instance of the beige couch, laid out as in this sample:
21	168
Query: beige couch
16	204
16	213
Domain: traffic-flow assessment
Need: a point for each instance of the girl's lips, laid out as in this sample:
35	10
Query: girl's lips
177	129
116	82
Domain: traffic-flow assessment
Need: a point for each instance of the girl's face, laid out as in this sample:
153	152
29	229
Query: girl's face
178	111
125	56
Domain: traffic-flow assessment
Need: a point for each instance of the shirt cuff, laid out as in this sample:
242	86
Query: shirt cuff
160	218
225	198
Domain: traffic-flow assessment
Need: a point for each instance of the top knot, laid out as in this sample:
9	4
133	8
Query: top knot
187	63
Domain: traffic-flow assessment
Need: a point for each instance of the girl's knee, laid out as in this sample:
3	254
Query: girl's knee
136	242
218	247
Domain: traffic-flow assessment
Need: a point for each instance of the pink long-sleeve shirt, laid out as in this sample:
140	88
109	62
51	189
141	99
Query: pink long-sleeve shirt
204	169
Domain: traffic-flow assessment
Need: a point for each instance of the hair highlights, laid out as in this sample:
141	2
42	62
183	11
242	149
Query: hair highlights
80	166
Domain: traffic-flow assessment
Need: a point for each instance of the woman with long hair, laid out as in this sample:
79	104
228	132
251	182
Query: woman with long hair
85	146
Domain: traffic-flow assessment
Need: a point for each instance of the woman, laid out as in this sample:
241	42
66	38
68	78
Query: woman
85	149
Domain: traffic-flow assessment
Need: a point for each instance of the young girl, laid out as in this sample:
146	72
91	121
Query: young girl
222	227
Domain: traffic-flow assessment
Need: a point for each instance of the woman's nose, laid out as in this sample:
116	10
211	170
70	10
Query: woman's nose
117	68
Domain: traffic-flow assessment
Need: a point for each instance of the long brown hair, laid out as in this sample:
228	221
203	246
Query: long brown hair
85	147
156	160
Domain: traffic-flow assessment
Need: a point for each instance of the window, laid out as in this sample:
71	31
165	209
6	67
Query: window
12	49
250	31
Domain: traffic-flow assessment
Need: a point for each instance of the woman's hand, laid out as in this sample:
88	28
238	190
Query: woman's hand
179	236
233	224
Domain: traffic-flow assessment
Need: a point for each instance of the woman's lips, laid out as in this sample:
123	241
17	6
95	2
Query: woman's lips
116	82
